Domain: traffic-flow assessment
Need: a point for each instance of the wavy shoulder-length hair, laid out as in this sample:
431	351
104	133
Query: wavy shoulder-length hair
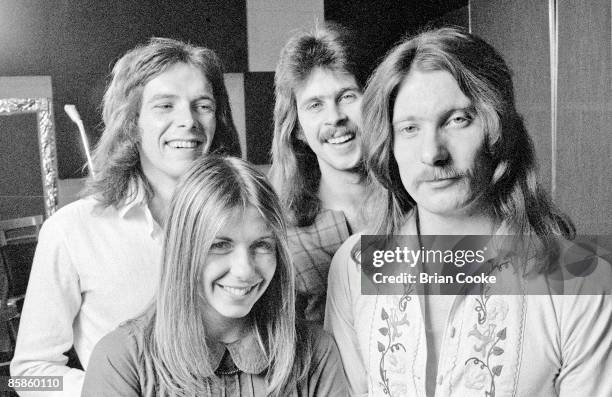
116	160
515	195
213	190
295	172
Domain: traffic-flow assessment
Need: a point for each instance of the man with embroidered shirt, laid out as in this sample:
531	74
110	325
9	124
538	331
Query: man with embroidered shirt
316	154
450	155
97	260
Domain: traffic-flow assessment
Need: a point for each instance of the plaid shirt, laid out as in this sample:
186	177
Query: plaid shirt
312	249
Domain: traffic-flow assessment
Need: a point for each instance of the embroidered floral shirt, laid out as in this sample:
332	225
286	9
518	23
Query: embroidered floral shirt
492	345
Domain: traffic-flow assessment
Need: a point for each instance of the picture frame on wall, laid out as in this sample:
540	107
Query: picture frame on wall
29	183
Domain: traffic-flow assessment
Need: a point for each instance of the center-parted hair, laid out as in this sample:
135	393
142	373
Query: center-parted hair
295	172
116	158
211	191
515	195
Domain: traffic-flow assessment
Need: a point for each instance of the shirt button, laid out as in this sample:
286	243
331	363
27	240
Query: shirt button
452	333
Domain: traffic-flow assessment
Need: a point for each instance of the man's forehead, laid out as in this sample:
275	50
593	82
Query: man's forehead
322	81
177	80
428	93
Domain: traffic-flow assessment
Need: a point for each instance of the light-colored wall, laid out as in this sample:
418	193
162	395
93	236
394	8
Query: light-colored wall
234	83
25	87
519	30
584	113
561	55
271	22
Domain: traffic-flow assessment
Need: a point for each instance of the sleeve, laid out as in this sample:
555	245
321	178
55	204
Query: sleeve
53	299
343	284
112	369
586	335
326	377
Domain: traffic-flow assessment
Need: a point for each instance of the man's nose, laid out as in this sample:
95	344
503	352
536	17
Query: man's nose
186	117
434	151
335	114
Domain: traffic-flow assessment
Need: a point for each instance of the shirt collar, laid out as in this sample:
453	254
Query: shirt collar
135	198
136	205
246	353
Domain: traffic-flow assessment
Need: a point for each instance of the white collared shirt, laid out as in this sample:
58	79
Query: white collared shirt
94	268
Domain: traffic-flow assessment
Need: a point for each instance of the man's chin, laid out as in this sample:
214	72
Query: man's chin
451	205
178	170
345	158
440	201
352	166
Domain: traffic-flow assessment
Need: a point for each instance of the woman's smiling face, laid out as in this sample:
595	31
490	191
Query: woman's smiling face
239	266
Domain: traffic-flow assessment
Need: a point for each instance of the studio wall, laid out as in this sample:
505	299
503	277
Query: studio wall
561	55
76	42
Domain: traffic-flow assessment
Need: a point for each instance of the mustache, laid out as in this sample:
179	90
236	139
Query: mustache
339	131
438	173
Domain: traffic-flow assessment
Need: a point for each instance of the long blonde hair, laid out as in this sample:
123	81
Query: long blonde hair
515	194
116	157
206	197
295	171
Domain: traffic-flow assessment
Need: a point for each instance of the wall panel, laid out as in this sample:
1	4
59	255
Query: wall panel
234	83
259	101
519	31
579	170
584	133
77	42
271	22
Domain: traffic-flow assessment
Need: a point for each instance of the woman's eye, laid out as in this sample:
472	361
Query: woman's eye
264	247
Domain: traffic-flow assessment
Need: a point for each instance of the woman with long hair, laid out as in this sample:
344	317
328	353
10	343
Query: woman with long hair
223	321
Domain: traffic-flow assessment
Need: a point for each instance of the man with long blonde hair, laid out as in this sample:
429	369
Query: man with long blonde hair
316	153
449	157
97	259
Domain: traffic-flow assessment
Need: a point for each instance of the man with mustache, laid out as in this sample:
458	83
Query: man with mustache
448	154
316	153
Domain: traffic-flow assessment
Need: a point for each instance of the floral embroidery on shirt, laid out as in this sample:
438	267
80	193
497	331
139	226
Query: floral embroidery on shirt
394	321
484	296
492	312
475	381
475	378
